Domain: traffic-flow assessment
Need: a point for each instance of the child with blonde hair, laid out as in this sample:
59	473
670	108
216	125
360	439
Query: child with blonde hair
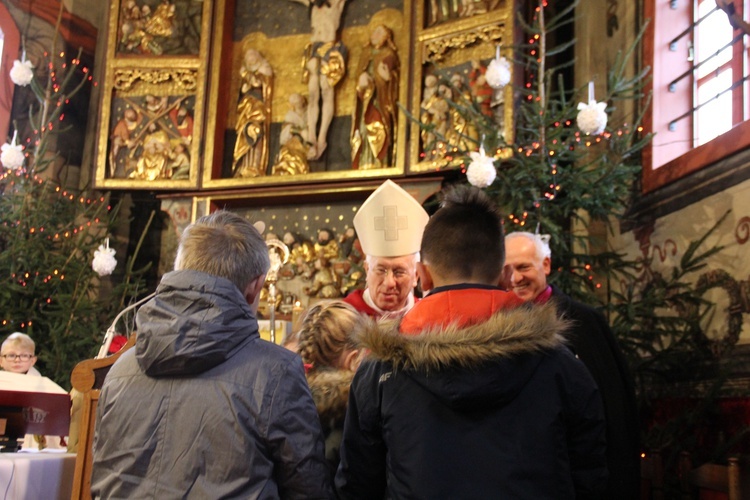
331	357
18	355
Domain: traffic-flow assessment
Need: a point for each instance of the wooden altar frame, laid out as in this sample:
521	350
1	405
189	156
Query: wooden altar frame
137	70
226	58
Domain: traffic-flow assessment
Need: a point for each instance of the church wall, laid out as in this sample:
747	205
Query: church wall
667	237
661	225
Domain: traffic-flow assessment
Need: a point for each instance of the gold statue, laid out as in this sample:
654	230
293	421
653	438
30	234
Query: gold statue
434	116
375	114
462	134
155	156
253	116
325	283
326	246
293	140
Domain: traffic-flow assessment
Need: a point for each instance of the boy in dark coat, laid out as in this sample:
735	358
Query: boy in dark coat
471	396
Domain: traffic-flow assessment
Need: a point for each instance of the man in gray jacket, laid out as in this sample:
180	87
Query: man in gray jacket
202	407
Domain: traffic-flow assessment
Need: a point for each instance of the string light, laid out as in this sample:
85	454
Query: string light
16	179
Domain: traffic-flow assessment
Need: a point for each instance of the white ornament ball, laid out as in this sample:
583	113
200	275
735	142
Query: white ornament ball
104	261
592	117
498	73
12	155
481	172
22	72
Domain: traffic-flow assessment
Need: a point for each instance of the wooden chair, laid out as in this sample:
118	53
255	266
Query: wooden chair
652	476
712	480
88	378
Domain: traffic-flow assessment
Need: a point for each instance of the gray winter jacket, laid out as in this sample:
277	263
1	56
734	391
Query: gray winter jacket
203	408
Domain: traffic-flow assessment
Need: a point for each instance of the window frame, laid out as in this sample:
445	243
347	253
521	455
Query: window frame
658	173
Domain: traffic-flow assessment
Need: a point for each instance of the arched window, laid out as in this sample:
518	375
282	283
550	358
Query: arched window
10	41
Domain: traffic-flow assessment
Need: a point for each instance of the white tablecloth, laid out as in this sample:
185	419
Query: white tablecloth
36	476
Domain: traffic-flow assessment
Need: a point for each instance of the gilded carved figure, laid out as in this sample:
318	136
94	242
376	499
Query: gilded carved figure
182	119
301	252
325	282
375	116
434	115
161	22
180	162
168	28
154	160
293	139
326	246
480	89
253	123
324	67
461	134
121	137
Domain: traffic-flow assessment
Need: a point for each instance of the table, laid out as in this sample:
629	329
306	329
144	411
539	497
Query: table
32	476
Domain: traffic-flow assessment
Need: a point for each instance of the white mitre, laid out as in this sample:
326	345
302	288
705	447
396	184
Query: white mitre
390	222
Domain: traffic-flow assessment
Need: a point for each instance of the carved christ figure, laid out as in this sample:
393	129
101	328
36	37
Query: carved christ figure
325	66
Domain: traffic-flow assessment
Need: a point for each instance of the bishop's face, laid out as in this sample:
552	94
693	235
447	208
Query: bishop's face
391	280
528	272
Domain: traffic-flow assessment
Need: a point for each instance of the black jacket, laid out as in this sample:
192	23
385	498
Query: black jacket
592	341
499	409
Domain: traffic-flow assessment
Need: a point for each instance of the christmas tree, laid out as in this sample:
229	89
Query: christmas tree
54	240
574	163
574	158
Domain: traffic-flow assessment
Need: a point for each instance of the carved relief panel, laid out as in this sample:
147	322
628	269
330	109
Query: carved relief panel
455	42
153	95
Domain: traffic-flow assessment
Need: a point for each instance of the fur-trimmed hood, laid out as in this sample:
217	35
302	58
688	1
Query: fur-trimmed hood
330	391
478	365
507	333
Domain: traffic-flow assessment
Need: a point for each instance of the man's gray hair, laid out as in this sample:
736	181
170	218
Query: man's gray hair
541	242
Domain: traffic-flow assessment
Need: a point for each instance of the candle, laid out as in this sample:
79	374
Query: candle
591	91
296	314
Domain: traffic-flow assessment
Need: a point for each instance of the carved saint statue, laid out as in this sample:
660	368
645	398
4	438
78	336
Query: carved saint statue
434	115
461	134
253	116
325	282
121	136
293	139
155	156
375	114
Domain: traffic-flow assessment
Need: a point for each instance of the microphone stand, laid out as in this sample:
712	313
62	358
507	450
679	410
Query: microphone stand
104	349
